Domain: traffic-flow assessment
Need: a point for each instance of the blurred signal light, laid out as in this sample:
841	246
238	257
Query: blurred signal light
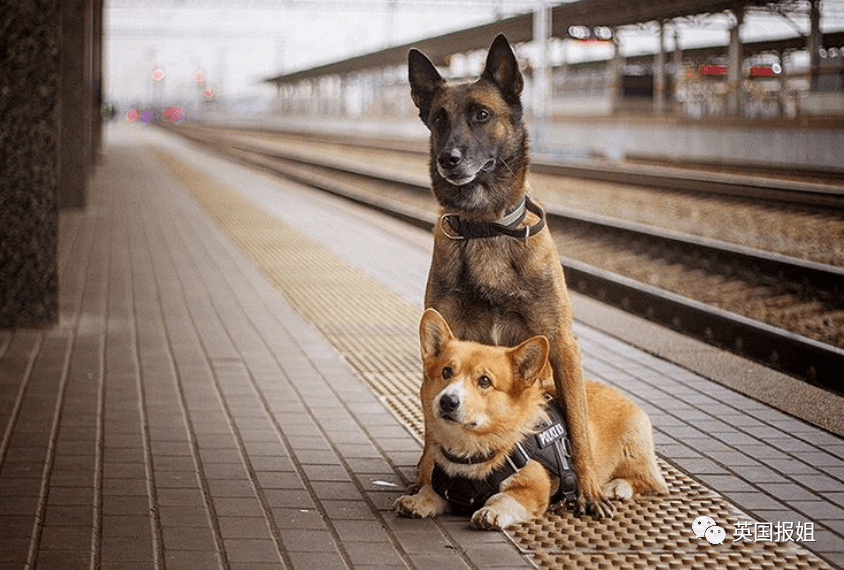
174	114
709	69
762	71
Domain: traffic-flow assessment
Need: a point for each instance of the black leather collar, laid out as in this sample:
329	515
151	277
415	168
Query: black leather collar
507	226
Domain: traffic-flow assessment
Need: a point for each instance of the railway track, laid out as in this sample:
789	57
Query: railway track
785	312
785	186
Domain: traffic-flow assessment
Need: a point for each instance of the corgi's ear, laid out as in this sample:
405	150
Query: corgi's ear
530	358
434	334
502	70
424	81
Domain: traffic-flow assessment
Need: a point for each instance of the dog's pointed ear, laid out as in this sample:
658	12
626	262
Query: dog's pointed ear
434	334
424	81
502	69
530	358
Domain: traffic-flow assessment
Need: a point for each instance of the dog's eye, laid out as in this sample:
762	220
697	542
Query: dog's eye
447	372
440	119
484	382
482	115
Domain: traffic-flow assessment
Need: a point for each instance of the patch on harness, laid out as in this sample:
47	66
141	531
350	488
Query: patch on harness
550	435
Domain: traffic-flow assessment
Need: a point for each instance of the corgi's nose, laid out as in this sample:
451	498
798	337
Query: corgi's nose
450	158
449	403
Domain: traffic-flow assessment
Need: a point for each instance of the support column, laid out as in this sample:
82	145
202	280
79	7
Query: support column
814	43
616	75
734	67
96	79
677	61
75	155
659	74
541	72
29	213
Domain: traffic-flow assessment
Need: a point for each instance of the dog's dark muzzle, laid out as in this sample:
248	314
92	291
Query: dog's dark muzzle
450	159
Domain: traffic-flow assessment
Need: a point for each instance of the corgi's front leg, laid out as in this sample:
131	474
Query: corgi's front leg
425	503
524	496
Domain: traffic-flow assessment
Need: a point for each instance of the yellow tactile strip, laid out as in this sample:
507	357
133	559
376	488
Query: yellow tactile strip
376	332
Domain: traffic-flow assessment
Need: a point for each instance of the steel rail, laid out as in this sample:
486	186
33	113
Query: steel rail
812	361
755	186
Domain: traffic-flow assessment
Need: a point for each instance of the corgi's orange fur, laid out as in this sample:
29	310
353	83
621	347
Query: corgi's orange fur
480	401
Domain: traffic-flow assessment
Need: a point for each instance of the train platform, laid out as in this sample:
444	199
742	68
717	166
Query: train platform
233	384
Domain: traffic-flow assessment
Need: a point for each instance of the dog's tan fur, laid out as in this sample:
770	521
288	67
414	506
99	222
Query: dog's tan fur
493	418
498	290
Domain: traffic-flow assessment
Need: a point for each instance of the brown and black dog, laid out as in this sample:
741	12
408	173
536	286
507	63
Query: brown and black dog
495	274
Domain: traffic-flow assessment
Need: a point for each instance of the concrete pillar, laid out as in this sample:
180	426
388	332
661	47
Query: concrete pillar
75	141
29	71
616	75
814	43
677	61
96	79
542	69
734	67
659	74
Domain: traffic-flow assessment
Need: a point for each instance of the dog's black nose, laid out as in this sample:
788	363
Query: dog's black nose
450	158
449	403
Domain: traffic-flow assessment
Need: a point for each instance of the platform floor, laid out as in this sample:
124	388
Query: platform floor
232	385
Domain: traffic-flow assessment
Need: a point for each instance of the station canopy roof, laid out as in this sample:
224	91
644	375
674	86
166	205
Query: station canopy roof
519	29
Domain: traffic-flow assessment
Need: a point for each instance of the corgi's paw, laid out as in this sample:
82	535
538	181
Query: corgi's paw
500	512
425	503
618	489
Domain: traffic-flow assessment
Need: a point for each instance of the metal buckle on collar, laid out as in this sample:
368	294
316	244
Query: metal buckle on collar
444	221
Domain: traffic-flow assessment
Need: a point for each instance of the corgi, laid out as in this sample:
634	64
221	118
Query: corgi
500	446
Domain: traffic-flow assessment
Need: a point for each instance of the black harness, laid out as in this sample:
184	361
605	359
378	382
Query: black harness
550	446
457	228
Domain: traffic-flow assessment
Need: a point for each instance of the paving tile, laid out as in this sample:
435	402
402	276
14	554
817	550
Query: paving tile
183	516
355	510
176	480
496	556
279	480
298	518
66	538
818	481
63	559
200	538
308	540
231	488
190	560
321	560
238	506
359	531
243	527
248	550
124	526
289	498
76	515
754	501
126	549
818	509
373	554
323	472
438	562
